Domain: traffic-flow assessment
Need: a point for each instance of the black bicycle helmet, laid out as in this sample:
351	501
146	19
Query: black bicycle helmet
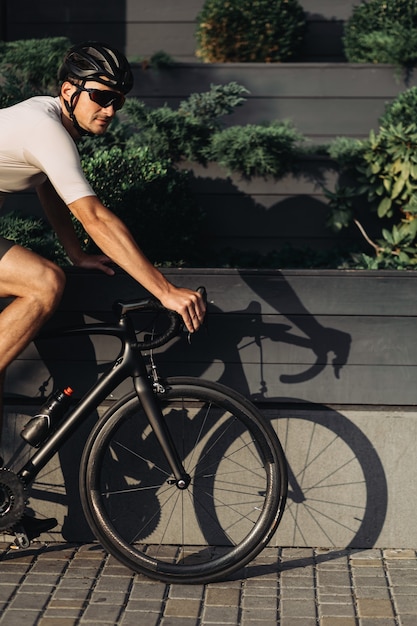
92	60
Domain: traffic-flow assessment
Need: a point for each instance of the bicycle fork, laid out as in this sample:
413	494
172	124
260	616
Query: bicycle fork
153	412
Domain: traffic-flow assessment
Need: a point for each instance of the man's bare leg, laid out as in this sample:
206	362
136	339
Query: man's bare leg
36	285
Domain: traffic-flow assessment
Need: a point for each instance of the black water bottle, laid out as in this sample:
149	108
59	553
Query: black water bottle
37	429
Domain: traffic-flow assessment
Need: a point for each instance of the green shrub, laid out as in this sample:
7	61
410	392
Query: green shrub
250	30
194	132
33	233
384	176
184	133
37	60
403	110
152	198
29	67
382	31
256	150
14	88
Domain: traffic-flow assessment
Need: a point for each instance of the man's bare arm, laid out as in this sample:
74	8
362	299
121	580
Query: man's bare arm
115	240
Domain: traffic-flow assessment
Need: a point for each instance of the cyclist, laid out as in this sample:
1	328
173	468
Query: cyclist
38	150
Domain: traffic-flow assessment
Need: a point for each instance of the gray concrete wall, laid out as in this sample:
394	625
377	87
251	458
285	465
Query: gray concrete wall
329	359
352	477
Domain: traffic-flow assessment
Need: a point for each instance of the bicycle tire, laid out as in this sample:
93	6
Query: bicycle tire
229	512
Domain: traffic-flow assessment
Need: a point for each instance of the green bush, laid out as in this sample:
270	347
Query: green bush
194	132
33	233
250	30
256	150
152	198
29	67
384	175
382	31
403	110
184	133
14	88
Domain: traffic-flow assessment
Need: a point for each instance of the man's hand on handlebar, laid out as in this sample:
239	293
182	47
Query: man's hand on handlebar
189	304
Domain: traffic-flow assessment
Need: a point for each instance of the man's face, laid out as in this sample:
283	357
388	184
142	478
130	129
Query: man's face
91	115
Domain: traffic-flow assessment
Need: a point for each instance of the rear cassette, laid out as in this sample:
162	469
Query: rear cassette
13	499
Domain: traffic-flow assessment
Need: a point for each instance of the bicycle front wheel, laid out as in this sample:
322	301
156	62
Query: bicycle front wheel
225	517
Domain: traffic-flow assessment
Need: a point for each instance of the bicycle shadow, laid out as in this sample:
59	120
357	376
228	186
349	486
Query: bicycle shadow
282	564
338	493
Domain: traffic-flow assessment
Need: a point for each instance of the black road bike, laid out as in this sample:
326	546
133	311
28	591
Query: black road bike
182	480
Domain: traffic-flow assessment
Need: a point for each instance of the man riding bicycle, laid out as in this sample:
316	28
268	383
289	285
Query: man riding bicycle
38	150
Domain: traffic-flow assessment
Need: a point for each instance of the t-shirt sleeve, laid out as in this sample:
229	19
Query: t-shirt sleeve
52	150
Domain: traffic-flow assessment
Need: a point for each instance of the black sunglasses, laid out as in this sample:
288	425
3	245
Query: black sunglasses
104	98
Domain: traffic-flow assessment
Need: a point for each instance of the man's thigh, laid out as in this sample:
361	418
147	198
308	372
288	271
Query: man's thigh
23	272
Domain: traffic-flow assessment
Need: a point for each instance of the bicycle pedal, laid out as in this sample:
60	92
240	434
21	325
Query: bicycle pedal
21	540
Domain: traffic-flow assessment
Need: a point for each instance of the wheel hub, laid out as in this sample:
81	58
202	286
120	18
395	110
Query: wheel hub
12	499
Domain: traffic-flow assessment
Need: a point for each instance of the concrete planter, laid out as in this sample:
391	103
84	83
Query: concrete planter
328	356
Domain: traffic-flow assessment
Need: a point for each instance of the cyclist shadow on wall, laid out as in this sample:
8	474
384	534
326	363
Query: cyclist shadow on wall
337	486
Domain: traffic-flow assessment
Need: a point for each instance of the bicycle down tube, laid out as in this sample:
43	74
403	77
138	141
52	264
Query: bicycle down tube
129	363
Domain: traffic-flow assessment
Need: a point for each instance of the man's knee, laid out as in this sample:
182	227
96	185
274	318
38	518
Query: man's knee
53	283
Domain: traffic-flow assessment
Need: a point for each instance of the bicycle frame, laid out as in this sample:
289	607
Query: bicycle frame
129	363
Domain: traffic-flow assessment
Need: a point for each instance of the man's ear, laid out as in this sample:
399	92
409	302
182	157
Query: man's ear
67	89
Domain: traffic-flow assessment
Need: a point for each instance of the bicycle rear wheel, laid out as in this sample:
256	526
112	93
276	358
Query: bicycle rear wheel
225	517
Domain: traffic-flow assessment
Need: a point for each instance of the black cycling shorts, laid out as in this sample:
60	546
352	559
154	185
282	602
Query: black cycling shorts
5	245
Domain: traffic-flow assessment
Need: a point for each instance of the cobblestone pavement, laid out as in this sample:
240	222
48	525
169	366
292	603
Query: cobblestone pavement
70	585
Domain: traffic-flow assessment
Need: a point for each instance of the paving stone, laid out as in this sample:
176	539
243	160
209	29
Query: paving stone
400	553
297	593
29	601
408	620
151	606
406	605
371	607
259	602
192	592
101	614
297	608
63	613
182	608
222	597
220	615
336	579
57	603
140	618
333	609
370	581
149	591
377	592
266	615
376	569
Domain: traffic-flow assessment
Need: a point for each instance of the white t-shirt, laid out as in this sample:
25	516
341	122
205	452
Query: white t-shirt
34	146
